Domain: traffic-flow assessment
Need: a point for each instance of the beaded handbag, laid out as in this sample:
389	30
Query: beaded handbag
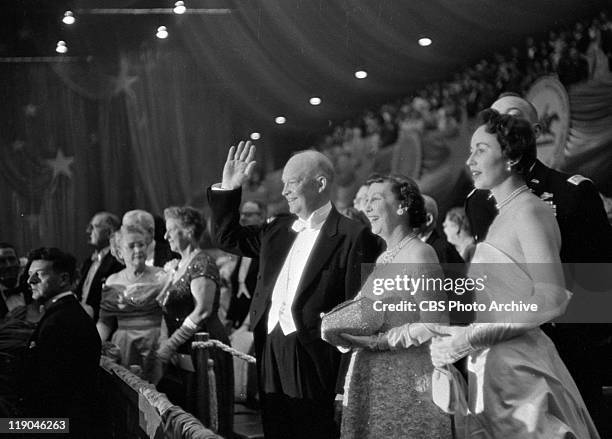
354	317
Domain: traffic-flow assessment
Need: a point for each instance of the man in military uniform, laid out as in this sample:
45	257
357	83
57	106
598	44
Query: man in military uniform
586	237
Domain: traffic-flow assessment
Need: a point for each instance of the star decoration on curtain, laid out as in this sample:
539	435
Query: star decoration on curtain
60	164
123	82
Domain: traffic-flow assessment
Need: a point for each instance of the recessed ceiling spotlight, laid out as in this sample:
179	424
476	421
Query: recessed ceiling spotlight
255	136
280	120
162	32
361	74
424	41
315	101
61	47
179	7
68	17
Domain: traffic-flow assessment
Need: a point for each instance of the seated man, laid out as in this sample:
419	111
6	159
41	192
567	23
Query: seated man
64	352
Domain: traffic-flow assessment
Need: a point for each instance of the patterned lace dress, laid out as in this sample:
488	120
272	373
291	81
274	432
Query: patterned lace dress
388	393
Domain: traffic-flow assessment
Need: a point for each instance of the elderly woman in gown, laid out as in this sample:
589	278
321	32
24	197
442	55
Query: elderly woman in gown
190	304
129	298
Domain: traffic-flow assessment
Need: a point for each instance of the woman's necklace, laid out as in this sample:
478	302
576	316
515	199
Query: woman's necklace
511	197
391	253
133	276
183	264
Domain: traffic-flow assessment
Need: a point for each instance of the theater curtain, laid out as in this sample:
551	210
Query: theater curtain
148	133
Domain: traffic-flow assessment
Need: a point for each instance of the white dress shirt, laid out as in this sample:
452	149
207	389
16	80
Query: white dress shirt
291	273
93	268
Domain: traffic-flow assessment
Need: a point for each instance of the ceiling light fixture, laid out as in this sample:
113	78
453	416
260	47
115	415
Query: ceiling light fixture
424	42
255	136
68	17
162	32
315	101
61	47
179	8
280	120
361	74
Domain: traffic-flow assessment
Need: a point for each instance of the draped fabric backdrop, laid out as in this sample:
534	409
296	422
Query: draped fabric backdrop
72	144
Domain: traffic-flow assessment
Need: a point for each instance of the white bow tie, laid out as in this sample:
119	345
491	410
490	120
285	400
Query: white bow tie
299	225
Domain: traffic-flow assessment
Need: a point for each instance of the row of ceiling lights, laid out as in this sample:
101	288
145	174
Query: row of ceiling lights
162	33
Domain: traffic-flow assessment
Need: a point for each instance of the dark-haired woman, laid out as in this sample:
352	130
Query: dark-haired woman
518	386
190	305
388	393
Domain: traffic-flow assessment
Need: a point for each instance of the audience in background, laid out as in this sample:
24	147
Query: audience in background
101	264
457	230
12	301
447	254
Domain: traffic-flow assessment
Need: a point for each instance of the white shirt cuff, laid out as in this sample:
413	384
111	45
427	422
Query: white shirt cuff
217	187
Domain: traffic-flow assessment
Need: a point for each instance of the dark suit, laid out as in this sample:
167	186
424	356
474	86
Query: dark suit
332	275
62	365
586	237
239	306
108	266
447	253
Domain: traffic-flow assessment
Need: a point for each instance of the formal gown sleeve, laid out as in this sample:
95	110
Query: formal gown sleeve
203	266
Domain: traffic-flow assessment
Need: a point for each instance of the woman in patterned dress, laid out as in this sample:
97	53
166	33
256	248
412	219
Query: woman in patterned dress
190	305
388	392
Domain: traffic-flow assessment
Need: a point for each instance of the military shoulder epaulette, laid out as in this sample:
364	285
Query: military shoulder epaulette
577	179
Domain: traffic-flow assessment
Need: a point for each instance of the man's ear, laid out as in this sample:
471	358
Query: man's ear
65	279
537	130
429	219
322	183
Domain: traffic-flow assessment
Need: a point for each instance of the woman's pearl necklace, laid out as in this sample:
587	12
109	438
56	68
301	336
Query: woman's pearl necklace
512	196
390	254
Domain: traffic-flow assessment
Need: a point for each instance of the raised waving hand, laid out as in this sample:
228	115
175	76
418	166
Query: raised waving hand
239	165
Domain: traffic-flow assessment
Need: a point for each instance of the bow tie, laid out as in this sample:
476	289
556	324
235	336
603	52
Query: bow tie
299	225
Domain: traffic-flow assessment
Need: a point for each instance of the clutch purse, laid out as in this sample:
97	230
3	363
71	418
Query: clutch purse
449	389
354	317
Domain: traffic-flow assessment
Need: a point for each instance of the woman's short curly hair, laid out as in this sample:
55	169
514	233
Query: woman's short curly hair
515	136
188	217
407	192
116	238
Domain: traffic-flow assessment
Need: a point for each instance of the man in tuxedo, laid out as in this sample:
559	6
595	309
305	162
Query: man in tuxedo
310	261
586	237
101	264
63	357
